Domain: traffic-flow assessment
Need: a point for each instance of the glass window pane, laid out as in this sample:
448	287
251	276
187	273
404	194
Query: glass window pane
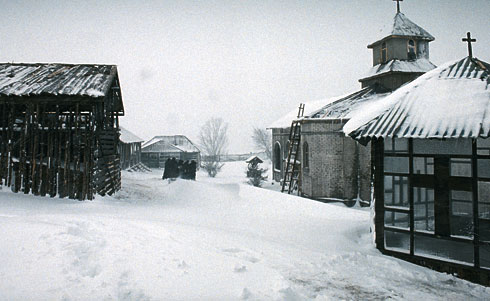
439	146
485	257
397	241
396	191
483	146
423	165
443	249
461	204
401	145
484	168
484	199
388	144
397	219
460	167
396	164
396	145
423	202
388	195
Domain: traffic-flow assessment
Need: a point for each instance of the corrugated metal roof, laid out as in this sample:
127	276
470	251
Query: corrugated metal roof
451	101
55	79
403	26
420	65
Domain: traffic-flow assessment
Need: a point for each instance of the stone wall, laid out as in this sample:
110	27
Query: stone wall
335	162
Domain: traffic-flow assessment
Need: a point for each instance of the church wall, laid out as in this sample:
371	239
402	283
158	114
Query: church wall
364	171
280	136
333	165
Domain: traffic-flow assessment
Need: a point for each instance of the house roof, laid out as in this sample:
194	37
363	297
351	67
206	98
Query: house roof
128	137
451	101
403	27
254	158
420	65
175	143
55	79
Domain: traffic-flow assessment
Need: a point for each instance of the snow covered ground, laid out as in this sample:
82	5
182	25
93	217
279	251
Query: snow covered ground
212	239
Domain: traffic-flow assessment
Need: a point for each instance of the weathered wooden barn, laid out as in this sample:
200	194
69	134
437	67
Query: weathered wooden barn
59	129
129	148
332	166
431	140
160	148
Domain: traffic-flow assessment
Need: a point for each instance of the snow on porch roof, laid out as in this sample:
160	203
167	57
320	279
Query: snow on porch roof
450	101
18	79
403	26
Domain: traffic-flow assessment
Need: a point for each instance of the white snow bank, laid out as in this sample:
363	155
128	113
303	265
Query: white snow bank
212	239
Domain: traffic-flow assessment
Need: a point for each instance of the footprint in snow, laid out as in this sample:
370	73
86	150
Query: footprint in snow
240	269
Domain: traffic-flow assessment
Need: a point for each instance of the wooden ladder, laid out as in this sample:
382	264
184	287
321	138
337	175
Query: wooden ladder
291	174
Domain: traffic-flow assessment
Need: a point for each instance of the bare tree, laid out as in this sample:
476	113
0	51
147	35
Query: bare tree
213	140
263	141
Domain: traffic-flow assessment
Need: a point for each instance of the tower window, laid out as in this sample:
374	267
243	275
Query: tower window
383	52
306	155
412	54
277	156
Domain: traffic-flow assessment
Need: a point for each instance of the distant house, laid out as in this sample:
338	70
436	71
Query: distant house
157	150
59	129
431	146
129	148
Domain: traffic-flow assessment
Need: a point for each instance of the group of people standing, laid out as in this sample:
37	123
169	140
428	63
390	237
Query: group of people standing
179	169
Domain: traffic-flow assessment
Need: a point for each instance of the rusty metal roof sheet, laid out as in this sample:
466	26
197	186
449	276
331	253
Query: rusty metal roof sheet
451	101
55	79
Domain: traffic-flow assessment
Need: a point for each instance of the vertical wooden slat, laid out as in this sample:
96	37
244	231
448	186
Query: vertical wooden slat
23	174
11	119
3	150
34	138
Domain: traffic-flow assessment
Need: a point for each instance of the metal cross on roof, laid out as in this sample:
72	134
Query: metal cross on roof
397	5
469	40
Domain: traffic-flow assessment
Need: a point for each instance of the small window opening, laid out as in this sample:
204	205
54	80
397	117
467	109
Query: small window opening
277	156
306	155
412	54
383	53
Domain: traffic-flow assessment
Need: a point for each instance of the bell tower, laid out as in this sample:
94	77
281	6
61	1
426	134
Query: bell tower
401	55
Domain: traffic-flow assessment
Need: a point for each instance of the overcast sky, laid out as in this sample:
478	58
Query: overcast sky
249	62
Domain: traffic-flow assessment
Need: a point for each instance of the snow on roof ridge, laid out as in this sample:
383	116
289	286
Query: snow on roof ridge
285	120
421	65
453	112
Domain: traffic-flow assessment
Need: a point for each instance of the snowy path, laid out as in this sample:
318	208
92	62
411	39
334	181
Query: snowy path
213	239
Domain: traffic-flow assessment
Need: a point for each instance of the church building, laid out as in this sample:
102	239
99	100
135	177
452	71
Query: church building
431	146
331	165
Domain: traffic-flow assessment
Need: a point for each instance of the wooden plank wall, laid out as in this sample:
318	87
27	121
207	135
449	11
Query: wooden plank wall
47	150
